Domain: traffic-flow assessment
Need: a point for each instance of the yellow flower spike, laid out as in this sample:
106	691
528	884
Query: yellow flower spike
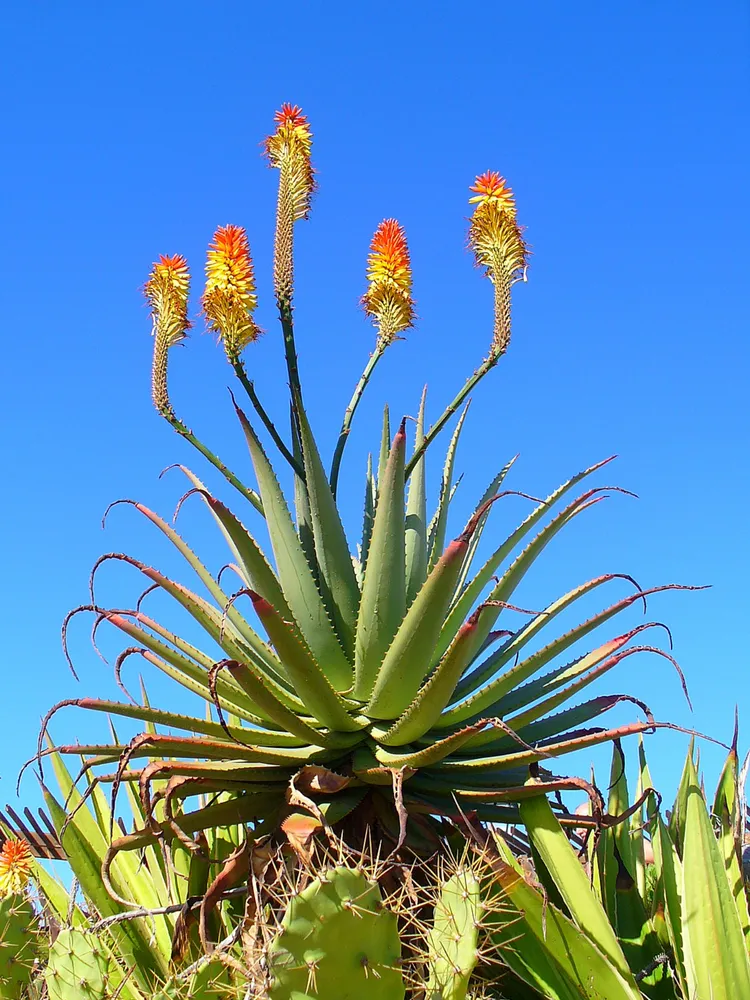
167	291
230	297
16	867
290	147
289	150
499	247
388	298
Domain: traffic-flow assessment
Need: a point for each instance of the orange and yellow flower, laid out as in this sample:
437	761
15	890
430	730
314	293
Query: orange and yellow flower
167	291
289	149
230	298
16	867
388	298
494	235
490	187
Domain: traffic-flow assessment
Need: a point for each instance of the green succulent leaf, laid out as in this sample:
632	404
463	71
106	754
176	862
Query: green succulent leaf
331	546
716	957
416	516
294	571
383	591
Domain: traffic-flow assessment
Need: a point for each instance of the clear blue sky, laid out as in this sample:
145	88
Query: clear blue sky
134	129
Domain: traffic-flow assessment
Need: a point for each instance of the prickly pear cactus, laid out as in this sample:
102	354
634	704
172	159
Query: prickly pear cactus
211	982
78	967
452	942
337	942
17	945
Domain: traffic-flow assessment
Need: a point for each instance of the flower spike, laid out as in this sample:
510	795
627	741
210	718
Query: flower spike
167	292
389	302
499	247
290	148
388	297
230	297
16	867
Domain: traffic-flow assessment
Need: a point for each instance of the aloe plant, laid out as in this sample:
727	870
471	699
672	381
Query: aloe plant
143	925
369	687
683	938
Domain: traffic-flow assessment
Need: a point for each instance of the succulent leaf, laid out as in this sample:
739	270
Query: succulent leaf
415	529
383	603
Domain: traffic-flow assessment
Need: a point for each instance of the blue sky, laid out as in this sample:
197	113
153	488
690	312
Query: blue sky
134	129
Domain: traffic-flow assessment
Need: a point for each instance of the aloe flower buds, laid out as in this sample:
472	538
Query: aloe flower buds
499	247
289	149
230	299
388	297
167	291
16	864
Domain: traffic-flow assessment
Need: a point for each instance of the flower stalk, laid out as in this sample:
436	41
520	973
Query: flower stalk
229	303
167	291
498	245
289	150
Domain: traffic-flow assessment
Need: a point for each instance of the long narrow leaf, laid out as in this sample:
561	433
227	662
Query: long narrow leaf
383	592
717	963
411	653
294	571
416	516
473	591
436	539
337	575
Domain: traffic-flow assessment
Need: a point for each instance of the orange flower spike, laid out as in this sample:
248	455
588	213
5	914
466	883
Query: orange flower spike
167	291
388	298
16	867
230	298
289	150
290	147
499	247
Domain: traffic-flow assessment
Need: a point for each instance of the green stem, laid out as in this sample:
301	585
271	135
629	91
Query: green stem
360	387
290	351
240	372
433	432
178	425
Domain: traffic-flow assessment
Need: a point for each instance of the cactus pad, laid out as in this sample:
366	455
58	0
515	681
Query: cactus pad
78	967
452	942
337	942
211	982
17	945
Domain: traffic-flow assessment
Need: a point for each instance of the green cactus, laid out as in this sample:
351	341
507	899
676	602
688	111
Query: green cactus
17	945
78	967
211	982
337	941
453	940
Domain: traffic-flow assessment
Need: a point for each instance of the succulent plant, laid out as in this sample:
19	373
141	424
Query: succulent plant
370	688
